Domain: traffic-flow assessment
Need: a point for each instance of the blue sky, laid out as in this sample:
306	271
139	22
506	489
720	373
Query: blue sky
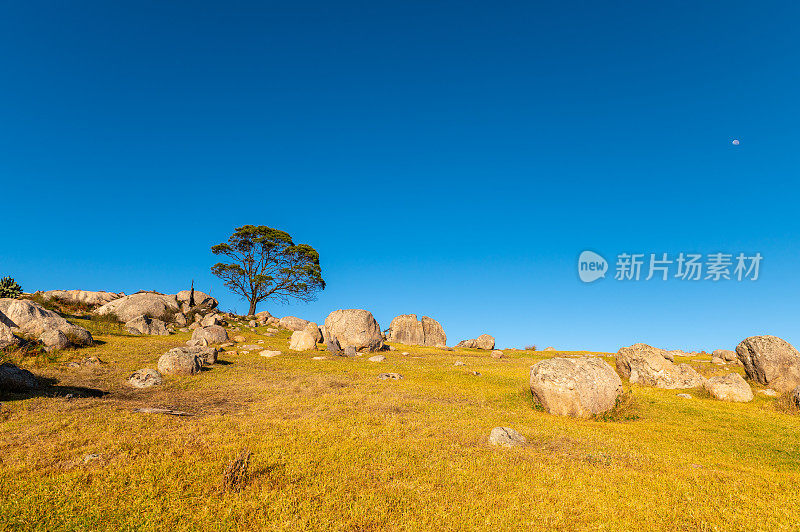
445	158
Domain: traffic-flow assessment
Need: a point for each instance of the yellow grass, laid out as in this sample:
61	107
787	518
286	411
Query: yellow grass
334	448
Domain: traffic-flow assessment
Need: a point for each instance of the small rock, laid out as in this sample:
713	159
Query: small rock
54	340
178	363
393	376
350	351
269	354
731	387
496	353
404	353
459	363
145	378
252	323
769	392
377	358
684	396
506	437
475	373
197	342
318	358
302	341
90	458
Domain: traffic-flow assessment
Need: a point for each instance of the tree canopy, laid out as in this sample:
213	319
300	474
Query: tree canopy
266	264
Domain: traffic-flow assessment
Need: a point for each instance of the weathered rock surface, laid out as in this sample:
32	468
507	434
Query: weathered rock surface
14	379
354	328
301	341
643	364
483	341
770	360
213	334
726	354
332	345
205	354
794	396
7	337
293	323
731	387
390	376
313	329
578	387
506	437
145	378
406	329
150	304
496	353
201	300
85	297
179	363
147	326
377	358
29	319
54	340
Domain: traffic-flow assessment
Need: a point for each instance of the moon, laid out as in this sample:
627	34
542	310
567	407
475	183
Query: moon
735	142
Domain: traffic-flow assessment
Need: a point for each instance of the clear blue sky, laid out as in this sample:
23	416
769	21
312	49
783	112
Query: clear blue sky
445	158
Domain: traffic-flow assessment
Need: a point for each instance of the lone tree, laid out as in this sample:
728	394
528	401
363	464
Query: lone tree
266	264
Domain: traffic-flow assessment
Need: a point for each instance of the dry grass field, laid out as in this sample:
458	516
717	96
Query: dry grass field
334	448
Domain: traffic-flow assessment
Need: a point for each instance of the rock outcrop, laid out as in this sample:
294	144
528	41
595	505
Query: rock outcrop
26	318
85	297
770	361
406	329
150	304
145	378
355	328
293	323
146	326
213	334
643	364
577	387
483	341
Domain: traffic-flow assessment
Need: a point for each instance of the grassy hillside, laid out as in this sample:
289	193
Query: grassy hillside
334	448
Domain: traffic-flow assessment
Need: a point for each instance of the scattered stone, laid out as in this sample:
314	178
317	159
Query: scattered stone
459	363
646	365
226	345
252	323
301	341
91	458
392	376
483	341
145	378
771	361
148	410
768	392
147	326
318	358
181	320
578	387
350	351
269	354
404	353
731	387
194	326
7	337
549	349
332	345
717	361
684	396
213	334
239	338
212	319
377	358
506	437
14	379
477	374
179	363
496	353
197	342
726	354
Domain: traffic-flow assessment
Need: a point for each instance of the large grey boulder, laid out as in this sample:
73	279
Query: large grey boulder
213	334
313	329
179	363
406	329
85	297
293	323
355	328
483	341
29	319
301	341
771	361
201	300
205	354
150	304
646	365
577	387
147	326
54	340
14	379
731	387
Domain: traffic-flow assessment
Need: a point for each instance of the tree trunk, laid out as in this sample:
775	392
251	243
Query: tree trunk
252	311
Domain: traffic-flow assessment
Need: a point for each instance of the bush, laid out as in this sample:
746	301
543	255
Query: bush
530	348
626	408
9	288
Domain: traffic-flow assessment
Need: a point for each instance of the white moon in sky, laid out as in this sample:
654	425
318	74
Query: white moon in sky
735	142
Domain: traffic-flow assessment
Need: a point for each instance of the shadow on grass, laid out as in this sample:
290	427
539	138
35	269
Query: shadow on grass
50	388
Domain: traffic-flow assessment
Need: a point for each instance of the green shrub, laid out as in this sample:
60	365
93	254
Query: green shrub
9	288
